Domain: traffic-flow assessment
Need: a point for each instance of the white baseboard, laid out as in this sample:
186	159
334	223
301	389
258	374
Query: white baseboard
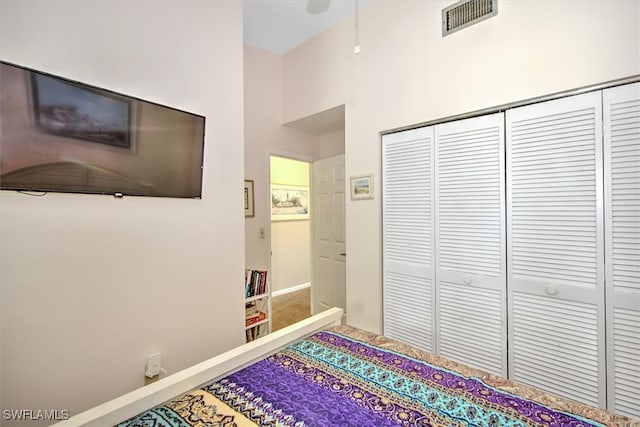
291	289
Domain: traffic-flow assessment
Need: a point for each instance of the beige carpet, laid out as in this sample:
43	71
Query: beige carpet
290	308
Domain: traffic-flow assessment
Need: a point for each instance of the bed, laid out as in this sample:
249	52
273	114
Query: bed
332	375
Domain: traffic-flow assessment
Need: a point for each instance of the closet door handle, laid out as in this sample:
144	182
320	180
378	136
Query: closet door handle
551	290
343	254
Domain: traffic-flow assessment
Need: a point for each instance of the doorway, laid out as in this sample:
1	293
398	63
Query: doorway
290	243
308	251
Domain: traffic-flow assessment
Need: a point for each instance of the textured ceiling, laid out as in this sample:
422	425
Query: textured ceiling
280	25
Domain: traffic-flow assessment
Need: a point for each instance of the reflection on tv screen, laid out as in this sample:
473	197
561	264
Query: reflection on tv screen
64	136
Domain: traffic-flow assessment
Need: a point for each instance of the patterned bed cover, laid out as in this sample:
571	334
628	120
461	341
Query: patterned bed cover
348	377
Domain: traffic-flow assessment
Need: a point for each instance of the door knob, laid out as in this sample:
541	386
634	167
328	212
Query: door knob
343	254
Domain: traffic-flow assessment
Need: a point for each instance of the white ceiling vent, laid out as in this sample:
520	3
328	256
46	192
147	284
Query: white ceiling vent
466	13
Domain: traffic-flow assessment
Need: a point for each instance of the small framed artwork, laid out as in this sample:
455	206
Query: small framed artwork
362	187
248	198
289	202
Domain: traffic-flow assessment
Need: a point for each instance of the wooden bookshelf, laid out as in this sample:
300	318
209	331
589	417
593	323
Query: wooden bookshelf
257	304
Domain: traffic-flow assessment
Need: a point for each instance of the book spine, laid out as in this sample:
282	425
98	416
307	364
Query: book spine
256	275
247	282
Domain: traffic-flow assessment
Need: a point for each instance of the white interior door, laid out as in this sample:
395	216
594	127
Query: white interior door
407	211
328	282
555	247
470	242
621	111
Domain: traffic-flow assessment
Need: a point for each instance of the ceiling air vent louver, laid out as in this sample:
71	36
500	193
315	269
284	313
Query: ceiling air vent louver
466	13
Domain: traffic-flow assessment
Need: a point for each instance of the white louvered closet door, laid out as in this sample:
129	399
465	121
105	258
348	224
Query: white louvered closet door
555	247
621	112
470	242
407	244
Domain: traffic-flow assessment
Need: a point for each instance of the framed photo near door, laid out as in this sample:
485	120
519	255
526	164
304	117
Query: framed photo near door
249	210
362	187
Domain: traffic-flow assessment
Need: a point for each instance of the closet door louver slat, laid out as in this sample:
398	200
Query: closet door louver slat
555	240
407	229
621	110
407	315
470	256
548	332
471	312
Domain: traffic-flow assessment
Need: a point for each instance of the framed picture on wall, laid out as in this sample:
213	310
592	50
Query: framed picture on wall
248	198
362	187
289	202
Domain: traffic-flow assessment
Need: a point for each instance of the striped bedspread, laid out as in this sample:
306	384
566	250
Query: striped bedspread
348	377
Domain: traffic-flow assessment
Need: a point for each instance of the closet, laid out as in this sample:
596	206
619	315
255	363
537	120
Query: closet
622	246
556	257
409	291
469	241
511	243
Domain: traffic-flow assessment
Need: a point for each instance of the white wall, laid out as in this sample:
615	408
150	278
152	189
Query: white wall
330	145
90	285
291	259
407	73
265	135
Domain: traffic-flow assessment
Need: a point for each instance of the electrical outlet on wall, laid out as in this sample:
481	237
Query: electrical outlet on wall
153	365
152	368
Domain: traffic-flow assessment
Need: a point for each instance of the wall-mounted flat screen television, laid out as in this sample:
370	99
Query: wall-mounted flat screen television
64	136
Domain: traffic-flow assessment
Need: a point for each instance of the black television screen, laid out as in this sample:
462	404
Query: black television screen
65	136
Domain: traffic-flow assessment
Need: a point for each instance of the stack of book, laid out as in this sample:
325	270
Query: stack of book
253	315
255	282
253	333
